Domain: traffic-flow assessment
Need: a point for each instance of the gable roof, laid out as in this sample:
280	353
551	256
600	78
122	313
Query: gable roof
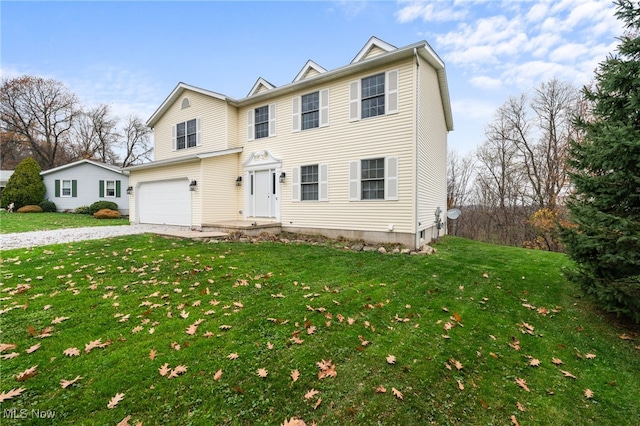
309	70
174	95
374	47
77	163
260	86
374	53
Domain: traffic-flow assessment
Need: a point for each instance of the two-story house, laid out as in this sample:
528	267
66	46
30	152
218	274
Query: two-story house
358	151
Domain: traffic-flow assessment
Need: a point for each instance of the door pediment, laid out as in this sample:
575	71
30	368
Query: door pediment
261	160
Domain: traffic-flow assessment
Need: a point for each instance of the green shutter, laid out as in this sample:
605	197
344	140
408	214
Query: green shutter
74	188
117	189
101	190
57	188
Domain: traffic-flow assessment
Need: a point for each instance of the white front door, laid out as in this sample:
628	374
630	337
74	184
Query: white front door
263	197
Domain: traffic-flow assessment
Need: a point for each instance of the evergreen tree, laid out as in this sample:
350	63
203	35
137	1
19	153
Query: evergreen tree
25	186
604	240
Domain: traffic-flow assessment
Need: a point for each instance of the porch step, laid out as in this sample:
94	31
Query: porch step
249	227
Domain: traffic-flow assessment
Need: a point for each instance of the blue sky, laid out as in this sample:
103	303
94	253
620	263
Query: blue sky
131	55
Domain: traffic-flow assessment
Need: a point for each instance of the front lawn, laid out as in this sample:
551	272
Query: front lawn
25	222
167	331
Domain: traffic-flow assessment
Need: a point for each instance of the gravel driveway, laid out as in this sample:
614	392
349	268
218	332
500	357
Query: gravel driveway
58	236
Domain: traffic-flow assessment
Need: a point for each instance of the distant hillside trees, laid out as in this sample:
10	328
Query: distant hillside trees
41	118
605	207
518	178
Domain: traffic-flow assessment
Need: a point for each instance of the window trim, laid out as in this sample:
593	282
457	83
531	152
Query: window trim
323	183
391	95
251	124
185	123
323	111
106	189
391	172
62	188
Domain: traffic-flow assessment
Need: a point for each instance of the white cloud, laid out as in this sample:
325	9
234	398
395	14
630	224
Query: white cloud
568	52
485	82
438	11
475	109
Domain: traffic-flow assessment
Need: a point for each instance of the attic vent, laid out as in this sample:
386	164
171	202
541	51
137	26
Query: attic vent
186	103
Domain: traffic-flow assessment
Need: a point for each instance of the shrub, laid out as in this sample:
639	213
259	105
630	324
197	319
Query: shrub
25	186
48	206
30	209
107	214
99	205
83	210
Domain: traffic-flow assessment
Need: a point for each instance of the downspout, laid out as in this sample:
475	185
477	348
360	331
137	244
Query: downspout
417	159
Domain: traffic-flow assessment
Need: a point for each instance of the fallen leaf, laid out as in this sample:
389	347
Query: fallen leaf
317	404
556	361
588	393
568	374
164	370
590	356
58	320
232	356
28	373
460	385
514	420
534	362
217	375
115	400
380	389
295	374
7	347
311	393
11	394
294	422
520	407
522	383
262	373
397	393
71	352
391	359
180	369
125	421
10	356
66	383
152	354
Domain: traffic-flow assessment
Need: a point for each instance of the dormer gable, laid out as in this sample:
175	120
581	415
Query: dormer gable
260	86
310	69
374	47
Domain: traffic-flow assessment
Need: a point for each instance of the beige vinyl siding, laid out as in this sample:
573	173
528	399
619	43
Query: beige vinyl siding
212	114
432	151
220	196
233	133
338	144
188	171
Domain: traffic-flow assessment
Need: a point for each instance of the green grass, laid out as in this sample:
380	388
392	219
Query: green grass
25	222
400	304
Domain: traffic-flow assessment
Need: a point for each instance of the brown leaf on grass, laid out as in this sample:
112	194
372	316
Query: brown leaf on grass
191	330
7	347
297	340
456	364
520	407
590	356
58	320
137	329
295	375
152	354
232	356
311	393
327	369
534	362
568	374
262	372
4	396
556	361
217	375
514	420
522	383
28	373
397	393
269	345
515	344
380	389
317	404
588	393
457	317
115	400
293	422
164	369
180	369
93	345
625	336
391	359
125	421
71	352
10	355
66	383
460	385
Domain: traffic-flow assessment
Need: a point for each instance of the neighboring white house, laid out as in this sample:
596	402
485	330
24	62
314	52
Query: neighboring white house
359	151
84	182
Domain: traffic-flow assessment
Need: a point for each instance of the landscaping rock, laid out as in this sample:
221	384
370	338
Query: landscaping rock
382	250
357	247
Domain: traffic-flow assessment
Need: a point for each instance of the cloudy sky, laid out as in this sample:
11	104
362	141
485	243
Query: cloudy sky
131	55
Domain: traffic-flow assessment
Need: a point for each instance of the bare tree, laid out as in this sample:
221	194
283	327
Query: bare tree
95	135
136	142
459	173
42	112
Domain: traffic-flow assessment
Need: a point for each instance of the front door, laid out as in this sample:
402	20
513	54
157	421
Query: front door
263	193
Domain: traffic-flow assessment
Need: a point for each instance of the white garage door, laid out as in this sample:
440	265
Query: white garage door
166	202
